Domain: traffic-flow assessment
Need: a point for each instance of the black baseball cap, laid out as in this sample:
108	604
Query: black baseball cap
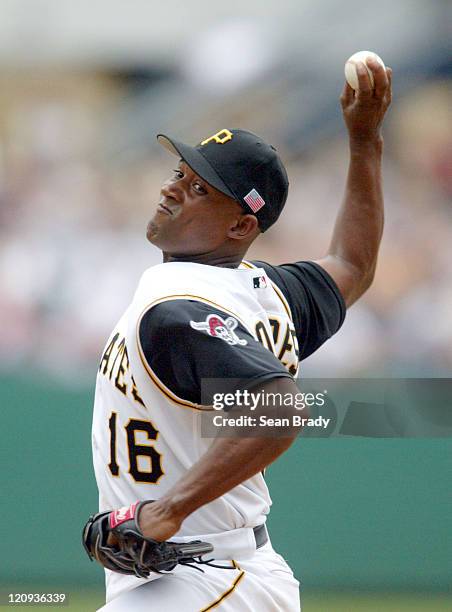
242	166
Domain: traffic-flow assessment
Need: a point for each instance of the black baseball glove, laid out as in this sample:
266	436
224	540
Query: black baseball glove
132	553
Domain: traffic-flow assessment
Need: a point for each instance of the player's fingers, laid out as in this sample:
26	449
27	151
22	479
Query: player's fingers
389	89
365	89
347	95
380	77
389	75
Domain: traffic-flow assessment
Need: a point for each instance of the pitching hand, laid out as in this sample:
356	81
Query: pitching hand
365	108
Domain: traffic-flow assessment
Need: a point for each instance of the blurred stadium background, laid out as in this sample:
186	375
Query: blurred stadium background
84	88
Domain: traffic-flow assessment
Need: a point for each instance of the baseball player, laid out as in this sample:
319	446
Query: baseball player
205	313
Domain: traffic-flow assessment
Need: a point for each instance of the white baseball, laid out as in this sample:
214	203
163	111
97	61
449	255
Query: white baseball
350	67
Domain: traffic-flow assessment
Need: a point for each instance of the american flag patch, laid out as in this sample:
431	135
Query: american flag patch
254	200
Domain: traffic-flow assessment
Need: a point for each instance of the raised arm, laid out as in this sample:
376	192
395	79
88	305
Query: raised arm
352	255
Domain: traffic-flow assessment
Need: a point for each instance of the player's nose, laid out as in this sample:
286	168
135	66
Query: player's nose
171	190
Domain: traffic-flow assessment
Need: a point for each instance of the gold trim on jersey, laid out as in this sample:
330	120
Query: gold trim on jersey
228	591
155	379
278	291
286	306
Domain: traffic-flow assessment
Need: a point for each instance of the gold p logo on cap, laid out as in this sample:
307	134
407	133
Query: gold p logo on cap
220	137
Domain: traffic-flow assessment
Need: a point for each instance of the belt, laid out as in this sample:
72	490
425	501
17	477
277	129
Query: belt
239	543
260	535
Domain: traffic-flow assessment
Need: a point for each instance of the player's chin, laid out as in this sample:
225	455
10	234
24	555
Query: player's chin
152	231
158	235
156	226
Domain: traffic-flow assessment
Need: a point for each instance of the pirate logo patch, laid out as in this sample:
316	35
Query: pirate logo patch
219	328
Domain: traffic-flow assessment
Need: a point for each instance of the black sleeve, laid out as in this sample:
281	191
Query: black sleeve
317	306
185	341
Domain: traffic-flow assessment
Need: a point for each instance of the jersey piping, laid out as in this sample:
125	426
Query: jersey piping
278	291
228	591
155	379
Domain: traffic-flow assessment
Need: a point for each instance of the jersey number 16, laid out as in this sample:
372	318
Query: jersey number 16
152	457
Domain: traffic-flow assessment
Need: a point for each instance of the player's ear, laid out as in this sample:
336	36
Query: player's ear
245	226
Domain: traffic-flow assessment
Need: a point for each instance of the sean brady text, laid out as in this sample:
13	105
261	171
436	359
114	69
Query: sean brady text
295	420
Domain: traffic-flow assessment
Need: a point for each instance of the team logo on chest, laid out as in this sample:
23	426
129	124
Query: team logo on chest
218	327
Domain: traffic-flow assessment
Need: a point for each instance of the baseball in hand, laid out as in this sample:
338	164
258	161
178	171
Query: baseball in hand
350	67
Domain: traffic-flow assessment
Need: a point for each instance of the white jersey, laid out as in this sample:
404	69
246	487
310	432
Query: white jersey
144	436
146	431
